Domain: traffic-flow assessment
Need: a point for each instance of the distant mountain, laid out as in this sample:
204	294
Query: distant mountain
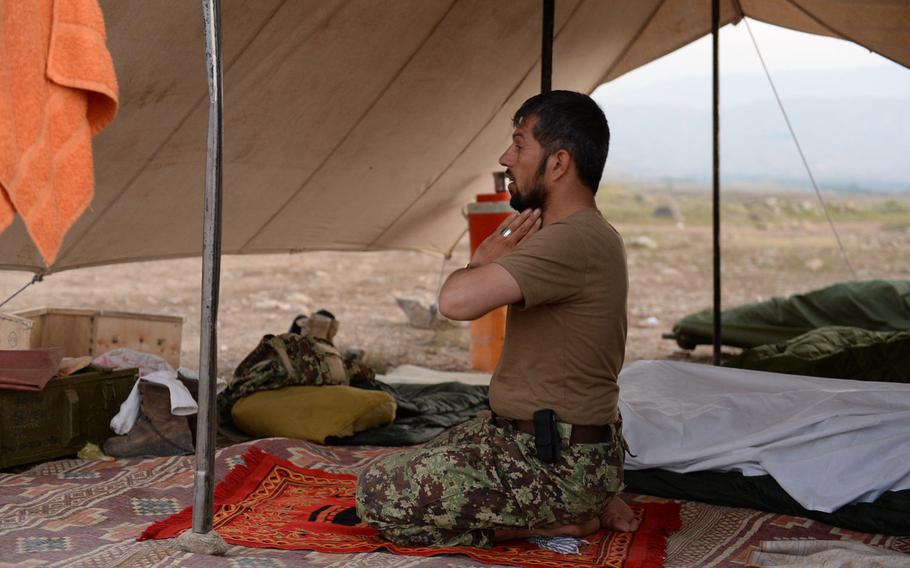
853	136
884	82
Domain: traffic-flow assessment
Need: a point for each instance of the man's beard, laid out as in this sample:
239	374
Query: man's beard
536	195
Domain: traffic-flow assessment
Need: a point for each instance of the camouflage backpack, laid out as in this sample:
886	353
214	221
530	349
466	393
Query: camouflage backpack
286	360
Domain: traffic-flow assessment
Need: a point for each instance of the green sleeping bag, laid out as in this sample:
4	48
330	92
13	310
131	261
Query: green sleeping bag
875	305
835	352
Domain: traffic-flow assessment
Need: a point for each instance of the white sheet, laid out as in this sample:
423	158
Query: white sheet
412	374
827	442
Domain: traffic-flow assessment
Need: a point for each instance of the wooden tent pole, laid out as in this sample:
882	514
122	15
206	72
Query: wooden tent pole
204	488
546	47
715	35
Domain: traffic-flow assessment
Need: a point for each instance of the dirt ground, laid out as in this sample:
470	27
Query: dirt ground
669	265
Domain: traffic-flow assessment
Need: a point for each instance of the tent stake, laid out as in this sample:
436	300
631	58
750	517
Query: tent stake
203	489
546	47
715	35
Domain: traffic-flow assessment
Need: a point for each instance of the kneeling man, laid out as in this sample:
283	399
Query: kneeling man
549	460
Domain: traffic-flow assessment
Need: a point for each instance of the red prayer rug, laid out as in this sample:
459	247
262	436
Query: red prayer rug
272	503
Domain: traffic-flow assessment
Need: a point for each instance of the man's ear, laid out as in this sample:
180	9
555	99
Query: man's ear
560	162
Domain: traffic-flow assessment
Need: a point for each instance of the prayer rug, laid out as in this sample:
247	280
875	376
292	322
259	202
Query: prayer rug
271	503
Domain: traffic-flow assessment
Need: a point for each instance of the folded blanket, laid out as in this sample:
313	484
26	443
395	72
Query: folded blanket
57	89
29	369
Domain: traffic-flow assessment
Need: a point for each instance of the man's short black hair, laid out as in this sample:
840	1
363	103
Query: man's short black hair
571	121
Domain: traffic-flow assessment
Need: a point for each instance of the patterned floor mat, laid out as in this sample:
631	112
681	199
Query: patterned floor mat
82	514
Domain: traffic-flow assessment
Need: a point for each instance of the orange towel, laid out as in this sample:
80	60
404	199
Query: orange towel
57	89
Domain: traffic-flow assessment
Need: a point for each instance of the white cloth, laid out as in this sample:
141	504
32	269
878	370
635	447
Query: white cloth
154	369
124	358
559	544
827	442
182	402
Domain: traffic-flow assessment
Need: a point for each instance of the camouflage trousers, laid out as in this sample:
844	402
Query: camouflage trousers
481	476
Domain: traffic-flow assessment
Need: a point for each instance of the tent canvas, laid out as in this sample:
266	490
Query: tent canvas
361	125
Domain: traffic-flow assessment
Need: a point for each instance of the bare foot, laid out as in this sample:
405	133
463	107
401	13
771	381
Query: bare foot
579	530
617	516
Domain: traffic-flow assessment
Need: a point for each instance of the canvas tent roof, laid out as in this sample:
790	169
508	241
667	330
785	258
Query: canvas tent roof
356	124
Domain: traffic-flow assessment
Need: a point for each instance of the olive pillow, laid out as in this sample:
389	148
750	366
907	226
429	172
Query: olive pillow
312	413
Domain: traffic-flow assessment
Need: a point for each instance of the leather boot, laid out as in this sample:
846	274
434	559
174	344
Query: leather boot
300	325
157	432
323	325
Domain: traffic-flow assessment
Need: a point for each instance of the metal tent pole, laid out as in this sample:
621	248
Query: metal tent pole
715	35
203	496
546	47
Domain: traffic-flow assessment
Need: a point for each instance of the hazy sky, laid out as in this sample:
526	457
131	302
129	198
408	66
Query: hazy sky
661	111
783	50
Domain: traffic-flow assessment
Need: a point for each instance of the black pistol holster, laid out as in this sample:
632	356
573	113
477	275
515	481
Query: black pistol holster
546	436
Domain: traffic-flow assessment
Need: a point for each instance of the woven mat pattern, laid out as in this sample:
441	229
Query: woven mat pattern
83	514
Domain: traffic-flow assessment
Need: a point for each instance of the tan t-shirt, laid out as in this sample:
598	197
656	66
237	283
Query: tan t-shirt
565	343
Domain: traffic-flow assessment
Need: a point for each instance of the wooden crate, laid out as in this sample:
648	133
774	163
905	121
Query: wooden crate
83	332
15	332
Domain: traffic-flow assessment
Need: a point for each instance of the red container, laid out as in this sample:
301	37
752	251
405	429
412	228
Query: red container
488	332
485	216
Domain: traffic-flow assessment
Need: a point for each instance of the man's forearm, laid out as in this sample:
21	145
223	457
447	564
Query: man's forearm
471	292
